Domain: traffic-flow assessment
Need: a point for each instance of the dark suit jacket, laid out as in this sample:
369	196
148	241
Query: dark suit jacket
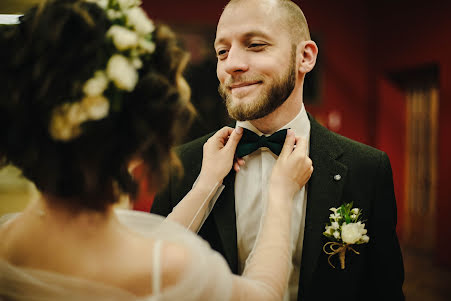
377	273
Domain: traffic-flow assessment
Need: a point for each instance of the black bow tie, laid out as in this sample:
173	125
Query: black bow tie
250	142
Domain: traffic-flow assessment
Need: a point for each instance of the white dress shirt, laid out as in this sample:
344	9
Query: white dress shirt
251	192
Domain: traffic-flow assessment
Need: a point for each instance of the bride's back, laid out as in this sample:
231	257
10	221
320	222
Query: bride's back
94	248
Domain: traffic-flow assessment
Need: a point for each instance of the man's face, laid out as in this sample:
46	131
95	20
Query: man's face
256	60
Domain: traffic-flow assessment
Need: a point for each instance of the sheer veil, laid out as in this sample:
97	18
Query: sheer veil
207	278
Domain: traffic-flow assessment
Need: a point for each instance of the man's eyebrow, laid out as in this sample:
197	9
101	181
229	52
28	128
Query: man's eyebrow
246	36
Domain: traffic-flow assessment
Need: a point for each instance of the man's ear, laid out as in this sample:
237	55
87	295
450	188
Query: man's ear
309	52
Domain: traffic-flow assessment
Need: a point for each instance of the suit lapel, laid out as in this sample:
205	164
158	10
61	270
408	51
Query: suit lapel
225	219
324	191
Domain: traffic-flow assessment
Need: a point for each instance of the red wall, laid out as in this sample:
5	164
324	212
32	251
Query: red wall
409	34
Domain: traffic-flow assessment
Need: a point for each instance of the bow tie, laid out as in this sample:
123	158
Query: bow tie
250	142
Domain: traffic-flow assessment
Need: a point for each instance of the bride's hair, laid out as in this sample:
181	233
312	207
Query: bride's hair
45	61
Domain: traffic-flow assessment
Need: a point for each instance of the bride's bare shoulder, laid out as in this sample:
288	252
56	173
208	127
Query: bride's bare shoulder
175	259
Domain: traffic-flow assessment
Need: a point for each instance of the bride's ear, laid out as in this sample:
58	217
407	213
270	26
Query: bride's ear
308	53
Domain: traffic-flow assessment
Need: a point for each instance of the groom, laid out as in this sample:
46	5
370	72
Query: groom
264	52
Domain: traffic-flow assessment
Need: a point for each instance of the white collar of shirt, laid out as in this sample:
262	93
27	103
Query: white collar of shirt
300	125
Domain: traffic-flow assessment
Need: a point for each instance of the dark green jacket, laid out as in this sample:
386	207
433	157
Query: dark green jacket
366	179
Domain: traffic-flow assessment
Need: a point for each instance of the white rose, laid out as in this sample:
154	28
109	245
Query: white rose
138	19
122	38
365	238
122	72
96	107
96	85
352	232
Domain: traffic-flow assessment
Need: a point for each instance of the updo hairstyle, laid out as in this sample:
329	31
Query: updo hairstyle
44	62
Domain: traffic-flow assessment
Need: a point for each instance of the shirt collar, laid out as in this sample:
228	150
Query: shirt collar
299	124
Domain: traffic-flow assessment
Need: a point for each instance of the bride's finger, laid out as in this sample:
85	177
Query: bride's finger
288	144
301	146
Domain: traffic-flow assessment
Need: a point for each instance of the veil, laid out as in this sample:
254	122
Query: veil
207	277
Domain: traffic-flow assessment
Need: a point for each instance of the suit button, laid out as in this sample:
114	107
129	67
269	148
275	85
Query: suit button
337	177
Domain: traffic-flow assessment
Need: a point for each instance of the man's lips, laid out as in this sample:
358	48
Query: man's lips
244	84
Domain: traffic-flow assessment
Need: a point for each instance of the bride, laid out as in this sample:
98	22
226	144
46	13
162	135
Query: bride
89	88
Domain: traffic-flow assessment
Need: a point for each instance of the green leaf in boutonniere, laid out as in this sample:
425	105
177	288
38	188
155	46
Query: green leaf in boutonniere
345	229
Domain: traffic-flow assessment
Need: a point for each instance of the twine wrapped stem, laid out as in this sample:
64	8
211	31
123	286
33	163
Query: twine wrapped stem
337	248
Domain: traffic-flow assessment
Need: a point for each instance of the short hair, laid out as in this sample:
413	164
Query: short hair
293	19
45	59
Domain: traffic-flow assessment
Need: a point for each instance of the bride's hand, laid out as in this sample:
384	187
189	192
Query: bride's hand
219	151
293	167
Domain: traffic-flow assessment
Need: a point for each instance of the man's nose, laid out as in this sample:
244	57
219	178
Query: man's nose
236	61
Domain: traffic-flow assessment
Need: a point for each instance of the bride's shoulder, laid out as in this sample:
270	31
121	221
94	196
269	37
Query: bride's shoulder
175	261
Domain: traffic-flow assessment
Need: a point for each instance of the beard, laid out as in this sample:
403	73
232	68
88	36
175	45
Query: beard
265	103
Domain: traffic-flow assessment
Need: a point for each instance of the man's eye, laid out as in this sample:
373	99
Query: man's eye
256	45
221	53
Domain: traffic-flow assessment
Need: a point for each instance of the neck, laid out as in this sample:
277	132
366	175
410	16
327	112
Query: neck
282	115
49	211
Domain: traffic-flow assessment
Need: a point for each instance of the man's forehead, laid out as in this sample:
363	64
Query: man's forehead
246	21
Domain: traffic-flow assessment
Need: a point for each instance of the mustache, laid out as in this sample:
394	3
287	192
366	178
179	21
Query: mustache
240	79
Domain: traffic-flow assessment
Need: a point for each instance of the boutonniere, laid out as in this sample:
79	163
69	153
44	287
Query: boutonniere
345	230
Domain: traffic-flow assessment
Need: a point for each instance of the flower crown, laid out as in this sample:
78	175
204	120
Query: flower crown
131	37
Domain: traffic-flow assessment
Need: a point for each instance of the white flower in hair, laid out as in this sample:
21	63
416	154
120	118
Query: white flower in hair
130	33
146	46
137	63
137	18
113	14
59	128
125	4
122	38
66	120
96	107
122	72
96	85
75	114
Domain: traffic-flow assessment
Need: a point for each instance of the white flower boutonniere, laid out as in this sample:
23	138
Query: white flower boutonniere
345	229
